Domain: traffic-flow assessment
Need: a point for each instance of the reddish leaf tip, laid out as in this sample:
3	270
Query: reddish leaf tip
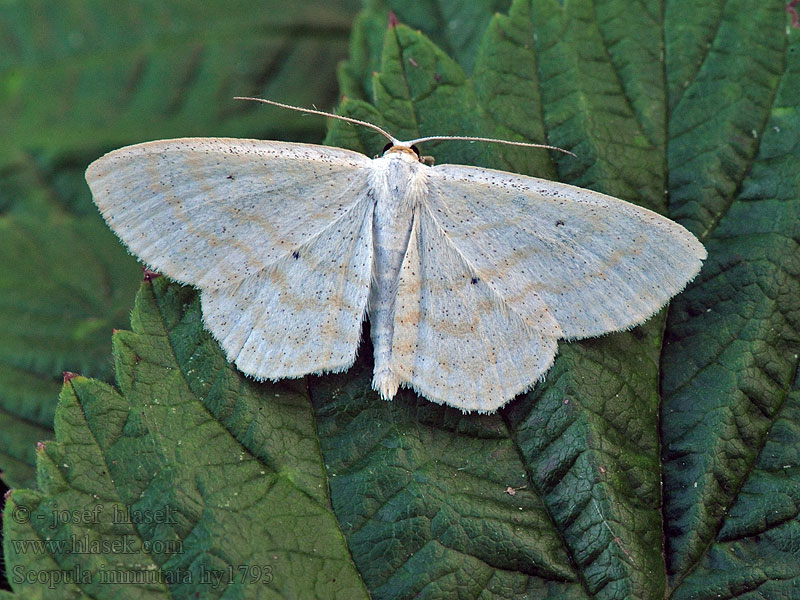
392	19
68	376
40	446
149	274
791	8
8	493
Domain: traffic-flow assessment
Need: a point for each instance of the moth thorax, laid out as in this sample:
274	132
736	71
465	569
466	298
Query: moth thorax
399	183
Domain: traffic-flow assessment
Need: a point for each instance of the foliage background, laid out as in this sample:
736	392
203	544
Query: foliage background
658	462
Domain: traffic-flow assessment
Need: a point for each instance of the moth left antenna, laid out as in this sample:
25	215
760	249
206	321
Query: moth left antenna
322	113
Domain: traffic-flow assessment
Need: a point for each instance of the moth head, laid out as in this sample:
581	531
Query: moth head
409	151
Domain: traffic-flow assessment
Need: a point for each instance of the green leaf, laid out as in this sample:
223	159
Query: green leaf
78	78
577	428
659	462
85	75
732	347
455	26
589	436
67	286
197	456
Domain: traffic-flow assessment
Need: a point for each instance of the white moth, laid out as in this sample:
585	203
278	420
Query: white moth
469	276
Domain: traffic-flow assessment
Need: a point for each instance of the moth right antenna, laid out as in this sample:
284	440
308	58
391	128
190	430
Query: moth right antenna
467	138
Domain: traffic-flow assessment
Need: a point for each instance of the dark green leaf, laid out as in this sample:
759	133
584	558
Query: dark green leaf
66	286
455	26
595	86
198	457
596	419
78	78
731	356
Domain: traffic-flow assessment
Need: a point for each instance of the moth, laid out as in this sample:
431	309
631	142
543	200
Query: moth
469	276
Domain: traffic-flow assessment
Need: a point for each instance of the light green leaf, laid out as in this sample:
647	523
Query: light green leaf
87	75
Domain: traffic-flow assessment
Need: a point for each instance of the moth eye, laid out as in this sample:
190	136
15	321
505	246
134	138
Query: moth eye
416	150
386	147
